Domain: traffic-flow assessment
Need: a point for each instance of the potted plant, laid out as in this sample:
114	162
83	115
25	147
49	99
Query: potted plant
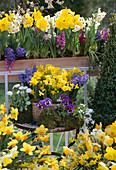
50	82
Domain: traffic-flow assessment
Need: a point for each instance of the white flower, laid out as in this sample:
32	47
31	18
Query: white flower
76	28
18	92
21	88
9	93
16	86
28	90
25	87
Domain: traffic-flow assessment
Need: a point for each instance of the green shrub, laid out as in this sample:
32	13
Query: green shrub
103	101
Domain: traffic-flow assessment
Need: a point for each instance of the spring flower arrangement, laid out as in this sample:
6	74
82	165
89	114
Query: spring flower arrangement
94	150
49	82
23	149
64	34
65	114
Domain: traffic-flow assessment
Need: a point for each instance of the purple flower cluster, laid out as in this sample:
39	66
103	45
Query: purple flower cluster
82	38
67	103
98	36
61	40
42	104
20	52
102	35
9	58
26	77
80	80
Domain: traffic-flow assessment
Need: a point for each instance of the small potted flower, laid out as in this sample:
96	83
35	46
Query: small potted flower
19	98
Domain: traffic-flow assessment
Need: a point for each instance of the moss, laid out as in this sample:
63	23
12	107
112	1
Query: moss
25	116
53	120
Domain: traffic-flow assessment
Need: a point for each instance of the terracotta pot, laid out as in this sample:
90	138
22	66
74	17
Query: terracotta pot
36	112
66	62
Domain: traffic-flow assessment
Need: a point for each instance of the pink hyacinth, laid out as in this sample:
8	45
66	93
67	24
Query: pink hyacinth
105	34
61	40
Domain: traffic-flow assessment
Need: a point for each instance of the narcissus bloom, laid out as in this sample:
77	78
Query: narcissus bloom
41	130
14	113
28	148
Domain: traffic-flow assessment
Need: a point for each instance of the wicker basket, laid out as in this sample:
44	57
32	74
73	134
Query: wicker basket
36	112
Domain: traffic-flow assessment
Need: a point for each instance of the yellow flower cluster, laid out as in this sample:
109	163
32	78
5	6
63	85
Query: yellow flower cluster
20	149
93	150
67	20
50	80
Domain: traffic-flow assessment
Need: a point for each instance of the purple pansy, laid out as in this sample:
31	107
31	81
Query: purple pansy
41	104
66	102
70	108
63	96
47	102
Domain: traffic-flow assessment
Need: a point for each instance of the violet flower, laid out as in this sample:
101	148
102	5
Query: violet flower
70	108
9	58
47	102
20	52
61	40
105	34
41	104
62	97
80	80
66	102
82	38
26	77
98	36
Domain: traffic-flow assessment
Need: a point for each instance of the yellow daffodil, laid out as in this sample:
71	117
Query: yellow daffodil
28	148
12	143
3	109
14	113
41	130
6	161
4	24
8	130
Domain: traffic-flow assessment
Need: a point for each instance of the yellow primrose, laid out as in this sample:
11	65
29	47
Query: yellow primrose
28	148
41	130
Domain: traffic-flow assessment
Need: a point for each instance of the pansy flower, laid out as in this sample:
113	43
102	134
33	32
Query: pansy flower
70	108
